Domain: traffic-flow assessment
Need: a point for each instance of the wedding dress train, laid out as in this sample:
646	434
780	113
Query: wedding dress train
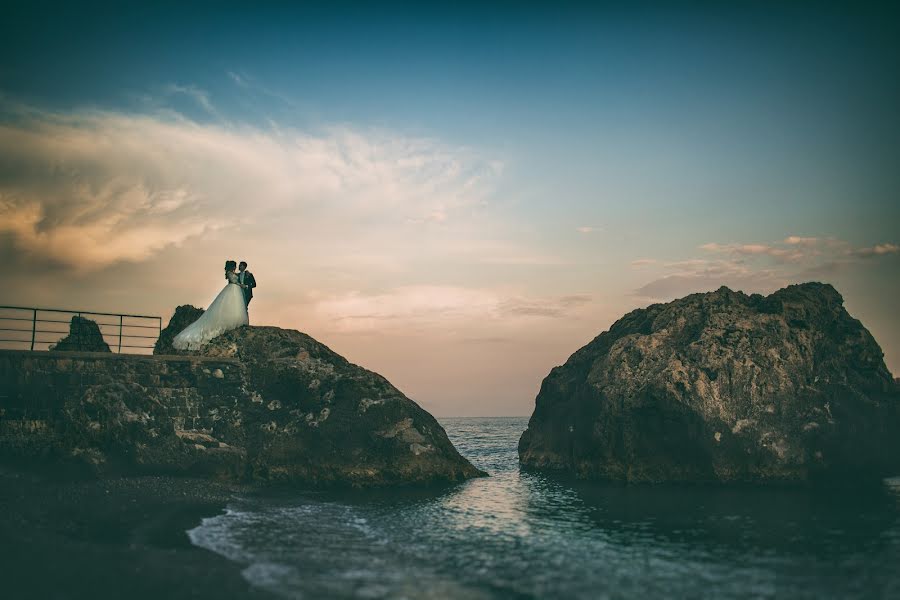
228	311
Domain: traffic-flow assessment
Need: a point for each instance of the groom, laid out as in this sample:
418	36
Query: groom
247	281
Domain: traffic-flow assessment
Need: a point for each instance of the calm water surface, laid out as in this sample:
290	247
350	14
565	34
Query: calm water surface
524	535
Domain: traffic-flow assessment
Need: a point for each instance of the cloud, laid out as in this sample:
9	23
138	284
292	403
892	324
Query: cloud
440	307
757	267
584	230
251	87
779	253
237	78
201	97
794	240
643	262
90	189
541	307
802	249
877	250
687	277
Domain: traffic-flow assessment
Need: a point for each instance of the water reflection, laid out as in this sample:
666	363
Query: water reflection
744	519
521	534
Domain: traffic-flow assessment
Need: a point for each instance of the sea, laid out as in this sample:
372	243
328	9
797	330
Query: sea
520	534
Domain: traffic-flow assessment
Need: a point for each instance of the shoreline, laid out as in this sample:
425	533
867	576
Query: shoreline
112	538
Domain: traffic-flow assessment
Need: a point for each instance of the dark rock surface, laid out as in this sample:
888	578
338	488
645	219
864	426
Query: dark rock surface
184	316
84	336
115	414
317	417
261	404
722	387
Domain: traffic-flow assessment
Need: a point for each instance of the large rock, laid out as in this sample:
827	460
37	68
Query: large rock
723	387
264	405
312	416
84	336
315	417
184	316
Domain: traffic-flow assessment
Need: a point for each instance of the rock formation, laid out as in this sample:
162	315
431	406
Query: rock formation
321	418
184	316
84	336
723	387
258	404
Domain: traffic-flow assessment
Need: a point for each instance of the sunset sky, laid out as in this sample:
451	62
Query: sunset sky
457	197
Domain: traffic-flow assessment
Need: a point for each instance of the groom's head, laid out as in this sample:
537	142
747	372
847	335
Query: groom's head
242	266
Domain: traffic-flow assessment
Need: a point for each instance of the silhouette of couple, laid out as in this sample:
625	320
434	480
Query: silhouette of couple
228	310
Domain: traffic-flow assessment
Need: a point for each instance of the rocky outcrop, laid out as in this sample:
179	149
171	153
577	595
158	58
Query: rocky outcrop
184	316
259	404
317	417
84	336
723	387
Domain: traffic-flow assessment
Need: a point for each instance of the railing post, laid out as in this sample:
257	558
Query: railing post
120	333
33	326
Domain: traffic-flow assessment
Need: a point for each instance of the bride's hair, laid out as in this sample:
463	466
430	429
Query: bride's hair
230	265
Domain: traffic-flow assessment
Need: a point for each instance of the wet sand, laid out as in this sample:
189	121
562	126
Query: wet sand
117	538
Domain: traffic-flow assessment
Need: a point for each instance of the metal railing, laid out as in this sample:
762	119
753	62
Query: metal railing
27	328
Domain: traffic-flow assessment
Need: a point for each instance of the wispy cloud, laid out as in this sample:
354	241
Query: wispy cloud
803	249
90	189
237	78
796	240
254	88
643	262
775	251
757	267
877	250
687	277
201	97
441	307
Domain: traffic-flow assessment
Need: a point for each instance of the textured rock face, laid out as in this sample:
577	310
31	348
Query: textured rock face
117	414
84	336
319	418
723	387
184	316
264	405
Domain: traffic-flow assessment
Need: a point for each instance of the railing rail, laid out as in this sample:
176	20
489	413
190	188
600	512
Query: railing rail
25	326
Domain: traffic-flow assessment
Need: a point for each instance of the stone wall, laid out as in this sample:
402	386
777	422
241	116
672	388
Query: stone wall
121	412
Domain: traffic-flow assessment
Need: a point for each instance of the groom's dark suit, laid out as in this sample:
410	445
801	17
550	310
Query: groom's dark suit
246	278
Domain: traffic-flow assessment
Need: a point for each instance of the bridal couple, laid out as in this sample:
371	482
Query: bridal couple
228	311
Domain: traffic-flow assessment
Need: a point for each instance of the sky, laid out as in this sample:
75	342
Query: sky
456	196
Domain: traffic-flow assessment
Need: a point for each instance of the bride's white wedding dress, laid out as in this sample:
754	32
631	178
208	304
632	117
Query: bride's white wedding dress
228	311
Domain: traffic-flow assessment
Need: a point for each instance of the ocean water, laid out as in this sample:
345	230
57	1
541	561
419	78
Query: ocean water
526	535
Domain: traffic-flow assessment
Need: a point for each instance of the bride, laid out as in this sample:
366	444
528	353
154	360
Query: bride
227	311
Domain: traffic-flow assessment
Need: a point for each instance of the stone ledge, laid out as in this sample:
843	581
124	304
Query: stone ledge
115	356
